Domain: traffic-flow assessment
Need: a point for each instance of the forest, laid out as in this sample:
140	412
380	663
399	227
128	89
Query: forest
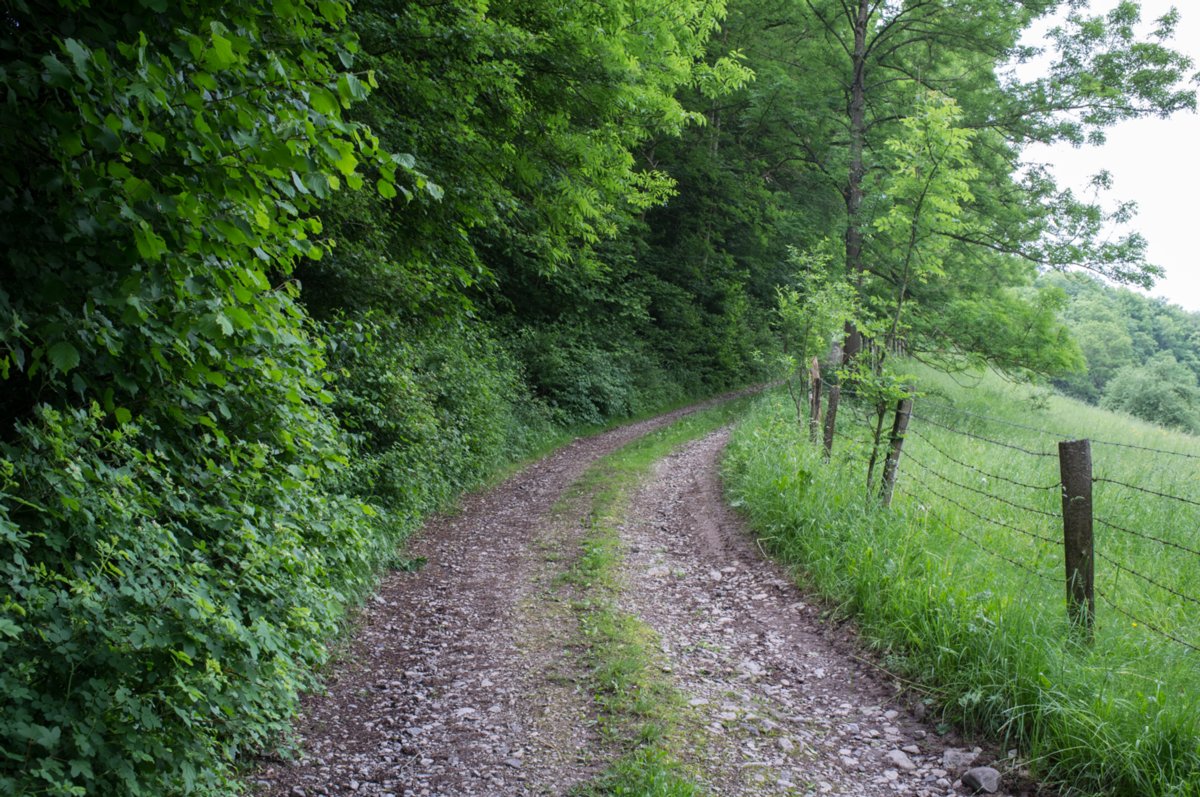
1140	354
282	278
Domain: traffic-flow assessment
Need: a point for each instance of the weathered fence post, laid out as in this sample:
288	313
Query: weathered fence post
831	402
899	427
814	400
1075	465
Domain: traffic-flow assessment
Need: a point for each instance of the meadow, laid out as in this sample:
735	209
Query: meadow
960	583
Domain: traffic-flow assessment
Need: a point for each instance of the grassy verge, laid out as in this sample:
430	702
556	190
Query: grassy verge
963	592
639	711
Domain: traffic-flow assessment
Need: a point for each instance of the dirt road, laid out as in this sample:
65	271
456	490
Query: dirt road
465	678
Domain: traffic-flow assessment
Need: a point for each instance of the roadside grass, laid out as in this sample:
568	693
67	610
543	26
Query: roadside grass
957	595
638	710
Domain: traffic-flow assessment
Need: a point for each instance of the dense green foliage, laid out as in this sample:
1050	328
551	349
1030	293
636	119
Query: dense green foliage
170	558
962	593
283	277
203	462
1142	354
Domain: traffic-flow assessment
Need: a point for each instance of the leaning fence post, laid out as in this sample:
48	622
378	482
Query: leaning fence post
899	427
1075	465
814	400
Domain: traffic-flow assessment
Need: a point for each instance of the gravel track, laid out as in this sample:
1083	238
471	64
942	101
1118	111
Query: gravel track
782	699
463	678
459	678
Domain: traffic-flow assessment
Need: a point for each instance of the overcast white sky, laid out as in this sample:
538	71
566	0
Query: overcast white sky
1155	162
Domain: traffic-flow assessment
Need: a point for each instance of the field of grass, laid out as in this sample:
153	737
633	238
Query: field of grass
961	583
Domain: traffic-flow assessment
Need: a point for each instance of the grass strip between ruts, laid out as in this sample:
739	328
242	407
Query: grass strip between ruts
639	711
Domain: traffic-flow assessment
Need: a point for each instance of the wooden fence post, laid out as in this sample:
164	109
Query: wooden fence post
814	400
899	427
831	402
1075	465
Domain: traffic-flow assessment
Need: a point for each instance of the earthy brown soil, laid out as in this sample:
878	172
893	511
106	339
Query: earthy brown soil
463	679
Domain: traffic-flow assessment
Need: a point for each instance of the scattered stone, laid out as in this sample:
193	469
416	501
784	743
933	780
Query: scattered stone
983	779
958	761
455	703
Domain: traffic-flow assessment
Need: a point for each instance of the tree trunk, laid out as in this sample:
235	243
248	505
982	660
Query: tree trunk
899	428
831	404
857	112
814	400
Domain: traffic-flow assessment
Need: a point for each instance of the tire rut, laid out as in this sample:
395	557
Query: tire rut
780	702
458	679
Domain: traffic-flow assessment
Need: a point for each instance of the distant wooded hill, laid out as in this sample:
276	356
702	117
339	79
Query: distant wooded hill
1143	354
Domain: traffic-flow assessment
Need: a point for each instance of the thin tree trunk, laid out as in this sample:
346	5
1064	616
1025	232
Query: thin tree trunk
890	468
880	412
814	401
857	112
831	404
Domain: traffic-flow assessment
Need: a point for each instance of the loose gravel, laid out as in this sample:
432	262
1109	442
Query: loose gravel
464	678
781	696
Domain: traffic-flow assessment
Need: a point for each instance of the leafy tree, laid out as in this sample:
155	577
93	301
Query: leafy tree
885	54
1116	327
1161	391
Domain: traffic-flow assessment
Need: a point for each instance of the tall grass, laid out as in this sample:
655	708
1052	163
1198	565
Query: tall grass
959	593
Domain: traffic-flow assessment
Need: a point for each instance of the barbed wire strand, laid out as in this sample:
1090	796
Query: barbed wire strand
1056	433
1146	536
950	526
993	419
995	476
1146	578
984	493
1148	626
1146	448
986	519
1030	452
1147	490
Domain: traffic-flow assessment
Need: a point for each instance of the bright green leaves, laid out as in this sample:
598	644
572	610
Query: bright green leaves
333	12
219	56
323	102
386	189
161	175
928	186
150	245
351	89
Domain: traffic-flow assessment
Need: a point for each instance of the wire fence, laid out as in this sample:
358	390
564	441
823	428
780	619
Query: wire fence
955	461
